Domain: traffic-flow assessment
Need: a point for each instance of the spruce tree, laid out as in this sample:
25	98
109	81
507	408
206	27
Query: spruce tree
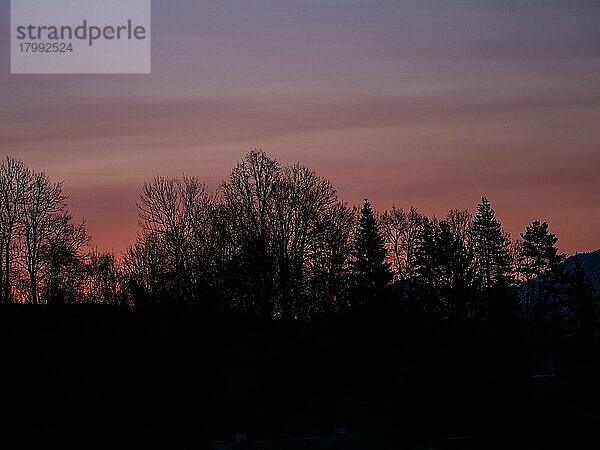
444	269
541	264
371	273
539	255
429	261
490	247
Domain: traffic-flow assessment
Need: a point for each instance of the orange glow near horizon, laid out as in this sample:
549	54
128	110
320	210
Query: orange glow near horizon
426	104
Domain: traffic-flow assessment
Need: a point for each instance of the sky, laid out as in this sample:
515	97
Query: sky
431	103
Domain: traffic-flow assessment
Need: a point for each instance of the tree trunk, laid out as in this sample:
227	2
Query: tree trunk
7	273
34	298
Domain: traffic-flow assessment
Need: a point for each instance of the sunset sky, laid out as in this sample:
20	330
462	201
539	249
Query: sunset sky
412	102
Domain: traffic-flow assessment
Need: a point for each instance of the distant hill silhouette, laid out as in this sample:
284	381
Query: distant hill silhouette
591	263
590	260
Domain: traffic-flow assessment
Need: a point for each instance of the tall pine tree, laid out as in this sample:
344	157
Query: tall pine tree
490	247
541	265
370	272
539	255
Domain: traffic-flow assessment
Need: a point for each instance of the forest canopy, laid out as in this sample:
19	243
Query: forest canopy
274	240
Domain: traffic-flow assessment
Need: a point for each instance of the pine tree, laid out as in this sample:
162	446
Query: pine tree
541	265
429	261
371	273
490	247
427	258
539	255
444	269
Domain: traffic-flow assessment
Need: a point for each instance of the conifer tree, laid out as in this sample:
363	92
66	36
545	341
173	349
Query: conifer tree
444	268
541	265
371	273
490	247
426	255
539	255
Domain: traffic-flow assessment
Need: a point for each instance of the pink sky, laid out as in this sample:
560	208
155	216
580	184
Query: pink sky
424	103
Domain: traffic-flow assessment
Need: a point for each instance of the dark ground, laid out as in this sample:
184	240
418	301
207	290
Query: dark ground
99	378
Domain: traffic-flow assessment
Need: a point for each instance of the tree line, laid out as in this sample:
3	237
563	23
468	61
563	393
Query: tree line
276	241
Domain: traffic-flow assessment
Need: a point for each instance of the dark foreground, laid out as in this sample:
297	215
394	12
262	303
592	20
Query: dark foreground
102	378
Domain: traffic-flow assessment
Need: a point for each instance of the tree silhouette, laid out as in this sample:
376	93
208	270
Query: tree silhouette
539	255
394	224
329	267
490	247
15	183
541	265
104	279
65	260
144	266
249	195
173	211
302	201
427	268
444	266
401	231
42	248
41	214
370	272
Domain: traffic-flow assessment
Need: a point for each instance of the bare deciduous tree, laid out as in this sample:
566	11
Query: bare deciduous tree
249	196
64	259
175	211
394	223
329	264
40	214
301	199
38	236
460	224
401	231
104	284
15	182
